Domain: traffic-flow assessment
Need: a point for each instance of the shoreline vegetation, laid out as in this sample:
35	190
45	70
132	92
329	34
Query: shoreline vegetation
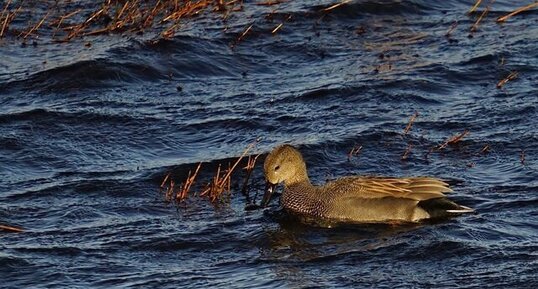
64	21
219	188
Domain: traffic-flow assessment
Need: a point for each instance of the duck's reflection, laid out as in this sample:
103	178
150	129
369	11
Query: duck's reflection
303	240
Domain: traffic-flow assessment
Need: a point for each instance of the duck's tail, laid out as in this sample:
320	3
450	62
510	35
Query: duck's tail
461	210
443	207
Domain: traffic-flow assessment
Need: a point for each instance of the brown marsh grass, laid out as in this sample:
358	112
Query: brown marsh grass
517	11
11	229
217	189
513	75
65	21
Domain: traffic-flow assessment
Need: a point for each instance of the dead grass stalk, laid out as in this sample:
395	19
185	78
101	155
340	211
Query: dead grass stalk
475	6
513	75
482	15
36	27
251	163
355	150
407	151
11	229
453	140
410	124
517	11
222	183
332	7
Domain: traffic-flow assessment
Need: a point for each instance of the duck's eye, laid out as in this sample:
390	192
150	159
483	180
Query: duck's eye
276	168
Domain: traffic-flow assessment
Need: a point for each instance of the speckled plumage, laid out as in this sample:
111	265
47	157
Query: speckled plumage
357	199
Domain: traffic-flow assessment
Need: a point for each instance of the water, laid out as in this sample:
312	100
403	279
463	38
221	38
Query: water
87	134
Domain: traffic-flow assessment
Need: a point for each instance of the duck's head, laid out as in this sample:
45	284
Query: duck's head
284	164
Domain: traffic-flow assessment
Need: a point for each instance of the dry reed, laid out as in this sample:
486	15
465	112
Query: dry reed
513	75
355	150
107	16
410	124
251	163
274	31
35	28
270	2
213	190
453	140
221	183
485	149
332	7
11	229
182	194
482	15
406	153
7	17
473	9
517	11
164	180
522	157
451	29
242	36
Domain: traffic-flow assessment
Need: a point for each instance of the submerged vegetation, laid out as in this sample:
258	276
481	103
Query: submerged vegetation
67	20
63	21
218	189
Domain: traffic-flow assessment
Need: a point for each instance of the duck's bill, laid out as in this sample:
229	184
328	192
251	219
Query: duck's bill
269	190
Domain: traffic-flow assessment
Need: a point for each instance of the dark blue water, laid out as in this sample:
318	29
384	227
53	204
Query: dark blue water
88	132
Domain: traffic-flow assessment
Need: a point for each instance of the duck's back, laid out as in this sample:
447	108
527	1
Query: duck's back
366	199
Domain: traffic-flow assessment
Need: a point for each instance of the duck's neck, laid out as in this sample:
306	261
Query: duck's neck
299	178
300	196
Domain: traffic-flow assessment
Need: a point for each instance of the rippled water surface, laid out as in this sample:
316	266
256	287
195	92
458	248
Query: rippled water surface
88	133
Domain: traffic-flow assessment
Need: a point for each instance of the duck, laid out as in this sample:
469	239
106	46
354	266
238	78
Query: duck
357	199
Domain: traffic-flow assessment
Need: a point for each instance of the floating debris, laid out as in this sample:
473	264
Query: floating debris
34	28
277	28
335	6
251	163
513	75
7	17
451	29
453	140
410	124
271	3
242	36
407	152
482	15
473	9
517	11
107	17
355	150
485	149
11	229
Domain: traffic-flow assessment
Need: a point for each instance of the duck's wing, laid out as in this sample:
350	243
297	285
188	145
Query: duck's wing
415	188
